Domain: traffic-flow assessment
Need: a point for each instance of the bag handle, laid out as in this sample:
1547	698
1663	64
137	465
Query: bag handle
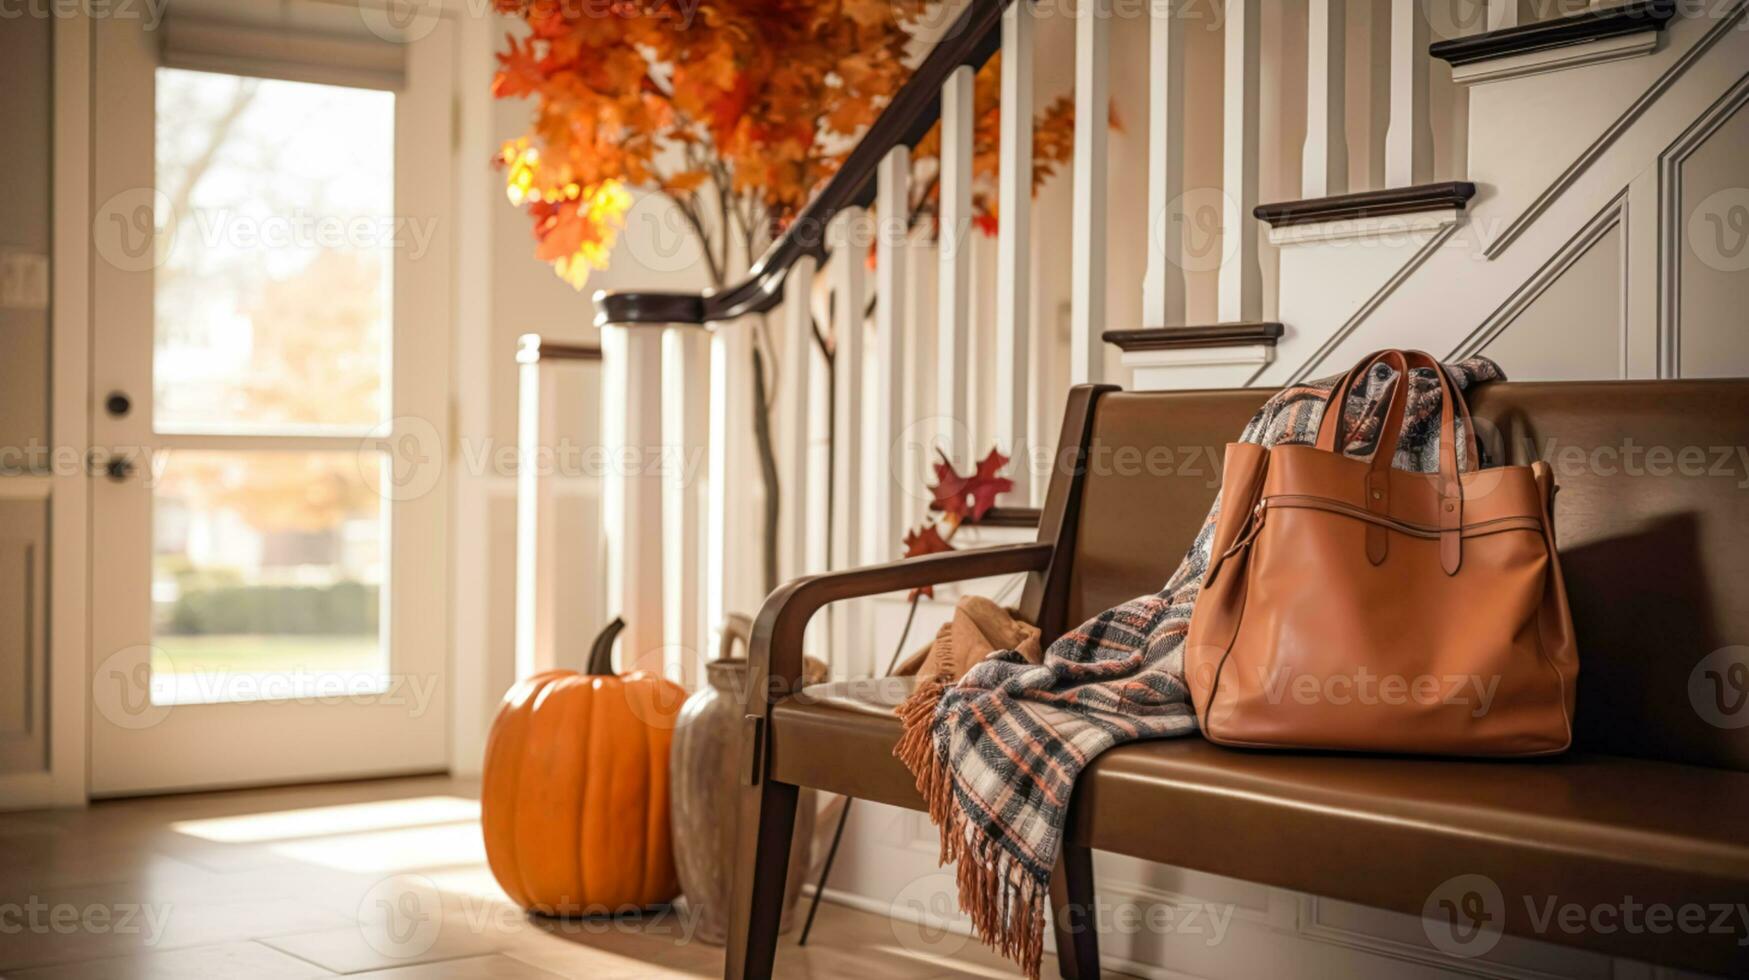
1378	484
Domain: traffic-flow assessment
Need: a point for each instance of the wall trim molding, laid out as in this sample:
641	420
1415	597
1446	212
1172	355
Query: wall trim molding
1311	928
1670	244
1377	299
1726	22
1612	215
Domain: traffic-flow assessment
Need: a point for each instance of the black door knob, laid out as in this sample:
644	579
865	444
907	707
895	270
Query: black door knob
118	403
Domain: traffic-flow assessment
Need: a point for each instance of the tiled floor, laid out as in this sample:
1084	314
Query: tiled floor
377	879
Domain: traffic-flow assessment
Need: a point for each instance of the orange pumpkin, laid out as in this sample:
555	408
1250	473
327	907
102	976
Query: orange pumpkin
574	801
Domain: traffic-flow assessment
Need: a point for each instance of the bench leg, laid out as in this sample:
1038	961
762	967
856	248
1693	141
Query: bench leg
1072	913
768	821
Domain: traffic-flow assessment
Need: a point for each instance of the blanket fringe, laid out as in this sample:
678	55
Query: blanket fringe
1005	903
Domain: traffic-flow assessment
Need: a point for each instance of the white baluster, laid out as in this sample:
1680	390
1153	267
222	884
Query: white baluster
1241	282
632	492
1014	247
850	647
735	573
1324	167
1502	14
1409	140
536	517
1163	282
892	271
921	313
953	291
685	427
1088	225
796	375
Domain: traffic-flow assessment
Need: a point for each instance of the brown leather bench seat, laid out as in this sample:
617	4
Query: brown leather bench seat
1651	809
1380	831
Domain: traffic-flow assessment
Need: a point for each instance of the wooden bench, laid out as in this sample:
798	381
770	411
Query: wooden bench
1650	809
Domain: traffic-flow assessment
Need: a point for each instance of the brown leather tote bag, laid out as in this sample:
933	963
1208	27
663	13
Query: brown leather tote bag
1352	606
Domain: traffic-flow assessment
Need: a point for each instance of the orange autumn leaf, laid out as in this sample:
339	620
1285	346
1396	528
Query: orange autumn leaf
926	540
757	101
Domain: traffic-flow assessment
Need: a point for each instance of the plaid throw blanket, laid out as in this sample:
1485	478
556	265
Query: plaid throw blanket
997	754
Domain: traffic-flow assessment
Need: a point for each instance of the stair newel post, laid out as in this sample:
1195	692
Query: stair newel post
1013	364
1088	229
797	520
1241	281
685	430
847	238
632	490
954	285
1163	284
1324	165
1409	139
892	288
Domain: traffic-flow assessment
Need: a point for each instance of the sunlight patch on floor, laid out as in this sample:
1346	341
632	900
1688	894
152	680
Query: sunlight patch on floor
286	825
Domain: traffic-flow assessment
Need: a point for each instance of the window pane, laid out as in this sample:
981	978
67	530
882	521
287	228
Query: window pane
272	303
267	576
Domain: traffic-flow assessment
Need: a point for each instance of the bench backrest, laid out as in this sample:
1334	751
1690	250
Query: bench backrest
1652	520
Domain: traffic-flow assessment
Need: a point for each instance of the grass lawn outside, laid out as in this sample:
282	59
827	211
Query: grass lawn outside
257	654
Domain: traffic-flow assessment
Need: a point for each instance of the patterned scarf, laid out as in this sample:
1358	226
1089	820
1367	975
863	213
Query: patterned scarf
996	755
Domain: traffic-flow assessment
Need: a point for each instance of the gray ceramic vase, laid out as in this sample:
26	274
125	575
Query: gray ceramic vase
705	790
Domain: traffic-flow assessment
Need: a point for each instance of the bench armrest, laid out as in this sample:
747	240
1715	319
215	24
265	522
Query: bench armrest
775	653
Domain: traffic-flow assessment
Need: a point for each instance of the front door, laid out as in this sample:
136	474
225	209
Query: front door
270	367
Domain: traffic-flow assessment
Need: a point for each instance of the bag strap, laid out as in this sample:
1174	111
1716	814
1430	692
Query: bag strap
1378	483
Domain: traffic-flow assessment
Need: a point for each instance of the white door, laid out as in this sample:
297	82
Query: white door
270	363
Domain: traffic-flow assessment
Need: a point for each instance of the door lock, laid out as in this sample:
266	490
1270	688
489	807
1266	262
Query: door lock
118	468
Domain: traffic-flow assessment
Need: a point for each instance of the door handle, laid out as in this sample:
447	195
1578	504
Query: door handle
118	468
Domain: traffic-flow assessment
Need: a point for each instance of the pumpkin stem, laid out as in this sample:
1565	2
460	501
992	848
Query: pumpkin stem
601	651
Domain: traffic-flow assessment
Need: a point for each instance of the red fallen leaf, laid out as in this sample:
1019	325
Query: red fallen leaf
986	223
949	491
926	540
986	484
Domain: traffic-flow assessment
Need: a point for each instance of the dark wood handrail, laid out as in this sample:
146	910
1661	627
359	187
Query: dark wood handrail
532	347
969	42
